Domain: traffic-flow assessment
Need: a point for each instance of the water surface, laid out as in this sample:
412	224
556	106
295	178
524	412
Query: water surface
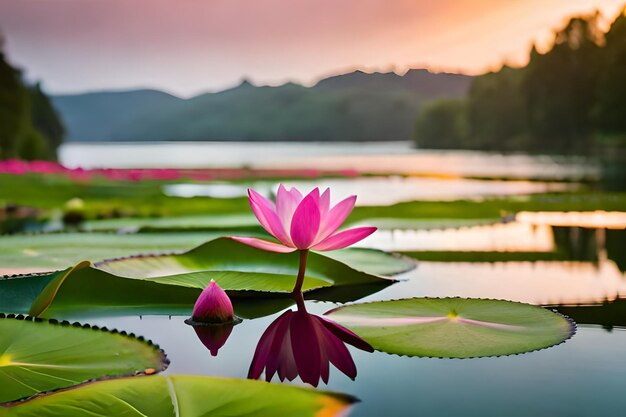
369	157
580	377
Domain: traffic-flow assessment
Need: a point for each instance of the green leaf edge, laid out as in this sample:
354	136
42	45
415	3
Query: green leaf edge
57	277
348	400
165	362
38	307
411	262
573	327
47	296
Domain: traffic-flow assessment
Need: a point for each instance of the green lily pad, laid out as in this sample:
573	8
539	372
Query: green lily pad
58	250
479	256
225	254
85	287
212	222
156	284
183	396
454	327
412	223
38	356
49	251
374	261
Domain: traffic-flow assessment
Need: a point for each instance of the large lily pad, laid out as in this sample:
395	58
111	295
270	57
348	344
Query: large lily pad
39	356
454	327
183	396
50	251
225	254
211	222
46	252
373	261
148	283
85	287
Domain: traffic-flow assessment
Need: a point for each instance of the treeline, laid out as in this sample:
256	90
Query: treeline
29	126
570	100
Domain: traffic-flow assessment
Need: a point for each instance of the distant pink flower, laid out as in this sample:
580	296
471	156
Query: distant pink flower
213	306
14	166
300	343
302	223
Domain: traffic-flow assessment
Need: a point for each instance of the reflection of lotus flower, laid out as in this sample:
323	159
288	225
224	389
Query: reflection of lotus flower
213	306
303	222
214	336
299	343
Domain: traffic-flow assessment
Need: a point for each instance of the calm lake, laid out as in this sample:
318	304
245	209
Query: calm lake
574	264
369	157
580	377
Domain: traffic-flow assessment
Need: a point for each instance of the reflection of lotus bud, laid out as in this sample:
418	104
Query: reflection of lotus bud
213	306
215	336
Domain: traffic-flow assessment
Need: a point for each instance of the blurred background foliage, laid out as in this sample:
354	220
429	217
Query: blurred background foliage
569	100
30	128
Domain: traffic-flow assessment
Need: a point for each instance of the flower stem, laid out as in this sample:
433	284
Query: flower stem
297	289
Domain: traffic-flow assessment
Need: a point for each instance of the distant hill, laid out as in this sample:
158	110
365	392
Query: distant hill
99	115
356	106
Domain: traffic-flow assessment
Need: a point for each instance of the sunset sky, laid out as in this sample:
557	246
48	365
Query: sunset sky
190	46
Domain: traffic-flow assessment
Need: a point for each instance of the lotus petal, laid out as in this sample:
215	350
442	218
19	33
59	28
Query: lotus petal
345	238
264	244
306	221
265	212
286	204
335	218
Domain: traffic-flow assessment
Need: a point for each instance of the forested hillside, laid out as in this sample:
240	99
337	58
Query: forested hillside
354	107
570	99
29	126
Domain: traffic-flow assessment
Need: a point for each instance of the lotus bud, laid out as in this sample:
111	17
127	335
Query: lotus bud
74	212
213	306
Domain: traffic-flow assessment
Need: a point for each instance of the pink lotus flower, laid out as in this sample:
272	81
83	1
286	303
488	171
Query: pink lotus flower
300	343
213	306
302	223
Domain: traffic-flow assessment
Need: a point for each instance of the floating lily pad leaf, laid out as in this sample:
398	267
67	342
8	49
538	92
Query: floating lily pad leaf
85	288
150	283
225	254
18	293
373	261
412	223
39	356
480	256
184	396
47	252
454	327
179	223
